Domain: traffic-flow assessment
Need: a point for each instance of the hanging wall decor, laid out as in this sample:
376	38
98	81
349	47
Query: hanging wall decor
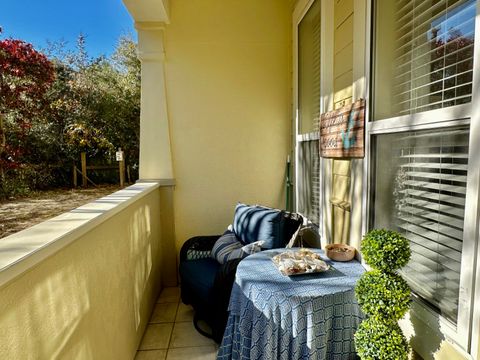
342	132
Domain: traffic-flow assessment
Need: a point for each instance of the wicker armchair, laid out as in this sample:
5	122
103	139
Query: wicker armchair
206	284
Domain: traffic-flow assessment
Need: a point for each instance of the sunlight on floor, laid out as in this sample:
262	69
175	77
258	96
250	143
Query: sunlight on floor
170	334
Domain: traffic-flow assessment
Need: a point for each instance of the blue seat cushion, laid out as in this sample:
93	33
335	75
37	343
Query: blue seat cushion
254	223
199	275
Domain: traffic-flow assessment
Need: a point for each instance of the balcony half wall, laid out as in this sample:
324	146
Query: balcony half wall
82	285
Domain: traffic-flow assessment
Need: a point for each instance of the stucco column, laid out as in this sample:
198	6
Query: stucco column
155	150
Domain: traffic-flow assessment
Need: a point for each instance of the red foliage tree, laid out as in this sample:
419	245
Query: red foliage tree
25	77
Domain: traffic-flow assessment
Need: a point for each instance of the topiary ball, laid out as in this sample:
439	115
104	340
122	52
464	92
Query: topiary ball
383	295
376	340
385	250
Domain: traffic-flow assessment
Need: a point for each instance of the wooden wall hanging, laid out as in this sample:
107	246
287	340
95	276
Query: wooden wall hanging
342	132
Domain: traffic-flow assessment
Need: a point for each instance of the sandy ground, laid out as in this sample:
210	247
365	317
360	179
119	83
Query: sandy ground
19	214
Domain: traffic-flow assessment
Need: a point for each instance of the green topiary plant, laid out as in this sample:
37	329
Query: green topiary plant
381	340
384	296
385	250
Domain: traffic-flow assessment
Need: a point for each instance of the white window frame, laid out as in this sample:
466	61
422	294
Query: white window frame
466	332
300	11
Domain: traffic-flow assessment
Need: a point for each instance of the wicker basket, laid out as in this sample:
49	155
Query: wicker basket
333	252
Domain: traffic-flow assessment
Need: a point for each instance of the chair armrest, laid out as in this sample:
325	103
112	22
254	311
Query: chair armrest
198	243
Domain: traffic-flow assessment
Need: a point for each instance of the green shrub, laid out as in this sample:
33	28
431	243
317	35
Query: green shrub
377	340
385	250
28	178
12	187
383	295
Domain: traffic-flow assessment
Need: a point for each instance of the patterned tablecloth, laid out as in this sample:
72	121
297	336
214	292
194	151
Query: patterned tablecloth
273	316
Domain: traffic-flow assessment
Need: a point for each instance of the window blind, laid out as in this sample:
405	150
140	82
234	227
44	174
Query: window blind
429	188
308	181
434	54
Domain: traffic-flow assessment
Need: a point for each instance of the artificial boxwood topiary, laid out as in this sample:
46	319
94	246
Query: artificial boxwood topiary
383	295
377	340
385	250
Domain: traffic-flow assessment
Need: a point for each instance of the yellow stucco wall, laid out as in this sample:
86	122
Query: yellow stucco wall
93	298
229	104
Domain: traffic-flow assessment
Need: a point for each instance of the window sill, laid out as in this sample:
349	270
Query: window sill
442	329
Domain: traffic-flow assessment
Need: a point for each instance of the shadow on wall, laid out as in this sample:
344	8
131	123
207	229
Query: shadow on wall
56	305
88	297
425	341
141	252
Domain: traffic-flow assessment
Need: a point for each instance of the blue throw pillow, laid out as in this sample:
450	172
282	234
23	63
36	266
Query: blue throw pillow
224	246
255	223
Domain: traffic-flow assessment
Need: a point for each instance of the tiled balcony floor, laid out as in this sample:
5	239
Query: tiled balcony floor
170	335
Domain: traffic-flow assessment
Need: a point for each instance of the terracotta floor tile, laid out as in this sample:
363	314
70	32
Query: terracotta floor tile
157	336
193	353
185	335
151	355
164	313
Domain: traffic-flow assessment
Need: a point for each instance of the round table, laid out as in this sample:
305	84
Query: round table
310	316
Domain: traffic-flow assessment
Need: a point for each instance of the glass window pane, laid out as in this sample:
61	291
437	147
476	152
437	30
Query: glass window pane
424	55
309	70
420	186
309	180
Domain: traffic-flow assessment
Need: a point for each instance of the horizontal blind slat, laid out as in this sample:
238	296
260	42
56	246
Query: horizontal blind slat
435	165
434	82
444	240
439	93
441	156
429	196
436	186
435	216
446	209
451	258
433	226
429	175
424	270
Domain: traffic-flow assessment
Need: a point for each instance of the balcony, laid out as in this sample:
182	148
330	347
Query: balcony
100	281
71	280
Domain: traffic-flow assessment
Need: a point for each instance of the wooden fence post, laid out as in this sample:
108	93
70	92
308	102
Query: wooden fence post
121	166
75	180
84	168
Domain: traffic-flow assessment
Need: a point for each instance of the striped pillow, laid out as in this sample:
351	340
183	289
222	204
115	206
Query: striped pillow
225	245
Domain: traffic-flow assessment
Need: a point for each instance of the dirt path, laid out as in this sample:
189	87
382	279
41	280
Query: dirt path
16	215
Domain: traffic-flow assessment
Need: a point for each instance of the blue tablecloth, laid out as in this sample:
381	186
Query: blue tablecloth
272	316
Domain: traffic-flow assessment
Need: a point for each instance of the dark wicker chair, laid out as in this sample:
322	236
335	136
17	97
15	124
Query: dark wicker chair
207	284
